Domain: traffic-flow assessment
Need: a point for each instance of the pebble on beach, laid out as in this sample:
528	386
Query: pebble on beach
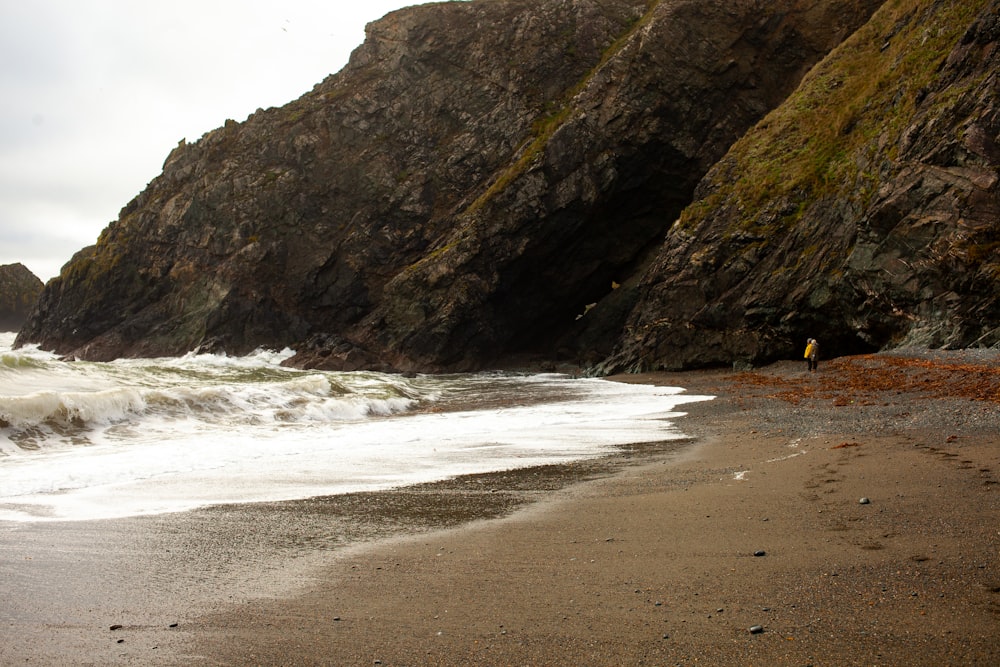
864	501
756	629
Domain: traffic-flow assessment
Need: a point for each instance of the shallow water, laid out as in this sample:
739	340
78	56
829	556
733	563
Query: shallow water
86	440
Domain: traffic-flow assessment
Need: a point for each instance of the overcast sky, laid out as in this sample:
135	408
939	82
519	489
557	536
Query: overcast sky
95	93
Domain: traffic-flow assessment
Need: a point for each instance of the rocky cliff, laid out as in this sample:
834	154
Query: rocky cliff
865	211
482	174
19	289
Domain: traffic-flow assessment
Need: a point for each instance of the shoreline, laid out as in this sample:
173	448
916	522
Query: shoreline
135	590
651	562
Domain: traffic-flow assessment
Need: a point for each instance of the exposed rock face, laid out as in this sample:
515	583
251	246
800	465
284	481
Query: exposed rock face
19	289
864	212
475	177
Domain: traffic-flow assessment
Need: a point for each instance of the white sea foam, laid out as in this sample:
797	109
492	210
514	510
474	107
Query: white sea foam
85	440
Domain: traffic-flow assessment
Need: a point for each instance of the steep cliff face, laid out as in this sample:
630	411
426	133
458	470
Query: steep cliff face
19	289
865	211
475	177
265	232
590	193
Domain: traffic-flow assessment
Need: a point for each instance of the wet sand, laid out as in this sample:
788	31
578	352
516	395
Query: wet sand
665	555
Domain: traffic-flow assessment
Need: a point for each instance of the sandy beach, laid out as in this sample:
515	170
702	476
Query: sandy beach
844	517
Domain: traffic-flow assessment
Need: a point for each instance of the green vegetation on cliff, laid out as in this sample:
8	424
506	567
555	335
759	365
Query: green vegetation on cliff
556	113
845	121
863	209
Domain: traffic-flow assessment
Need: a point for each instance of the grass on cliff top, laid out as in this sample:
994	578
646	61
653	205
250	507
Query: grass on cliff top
846	117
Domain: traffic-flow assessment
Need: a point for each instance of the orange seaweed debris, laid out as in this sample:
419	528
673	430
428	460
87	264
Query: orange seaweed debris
869	379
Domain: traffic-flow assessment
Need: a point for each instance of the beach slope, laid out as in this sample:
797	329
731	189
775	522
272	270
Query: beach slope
844	517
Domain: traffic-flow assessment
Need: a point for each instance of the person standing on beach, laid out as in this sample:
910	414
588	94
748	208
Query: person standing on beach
812	354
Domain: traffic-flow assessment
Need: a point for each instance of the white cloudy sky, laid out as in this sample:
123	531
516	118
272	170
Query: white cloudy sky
95	93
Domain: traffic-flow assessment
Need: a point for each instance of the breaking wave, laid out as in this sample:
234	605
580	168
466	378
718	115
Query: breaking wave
86	440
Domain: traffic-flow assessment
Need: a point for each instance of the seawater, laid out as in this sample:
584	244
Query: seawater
85	440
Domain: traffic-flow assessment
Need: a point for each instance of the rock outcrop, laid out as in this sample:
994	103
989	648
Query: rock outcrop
482	174
19	289
865	211
476	175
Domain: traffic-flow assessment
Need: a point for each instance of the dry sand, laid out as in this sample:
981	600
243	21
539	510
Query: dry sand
668	558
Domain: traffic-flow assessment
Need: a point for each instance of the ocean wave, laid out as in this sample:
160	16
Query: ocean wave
50	418
138	436
13	360
68	409
29	357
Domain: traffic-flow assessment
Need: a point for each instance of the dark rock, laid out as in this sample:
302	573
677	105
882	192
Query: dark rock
490	180
759	553
19	290
476	176
864	212
756	629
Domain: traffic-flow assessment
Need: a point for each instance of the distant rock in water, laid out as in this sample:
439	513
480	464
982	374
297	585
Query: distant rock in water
498	178
19	289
